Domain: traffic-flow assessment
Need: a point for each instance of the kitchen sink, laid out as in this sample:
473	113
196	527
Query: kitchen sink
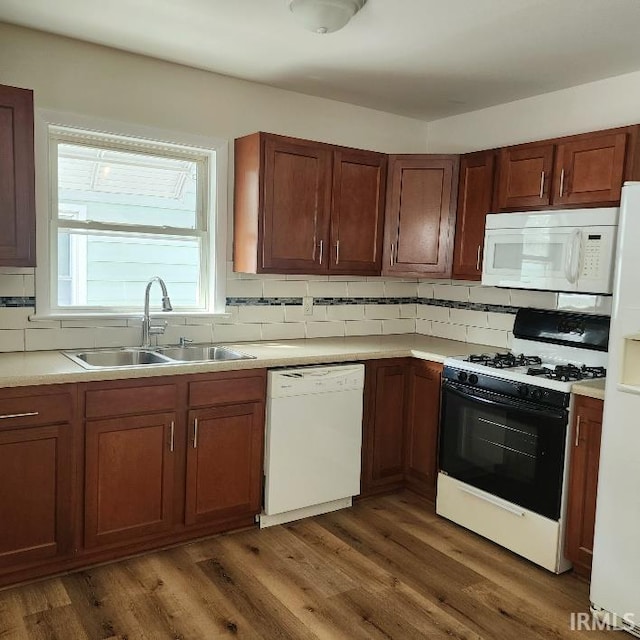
199	352
103	358
129	357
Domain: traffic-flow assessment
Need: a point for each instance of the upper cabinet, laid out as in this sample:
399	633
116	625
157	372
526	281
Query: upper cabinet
590	169
307	207
525	176
420	216
586	170
475	201
17	190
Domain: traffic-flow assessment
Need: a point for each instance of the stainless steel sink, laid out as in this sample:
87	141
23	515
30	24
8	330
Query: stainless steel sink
129	357
202	353
110	358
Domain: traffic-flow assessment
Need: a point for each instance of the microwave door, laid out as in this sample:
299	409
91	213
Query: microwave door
537	258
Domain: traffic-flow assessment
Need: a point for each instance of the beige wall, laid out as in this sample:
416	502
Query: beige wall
69	75
598	105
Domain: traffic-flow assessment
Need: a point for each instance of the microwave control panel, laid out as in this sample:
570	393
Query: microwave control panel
591	256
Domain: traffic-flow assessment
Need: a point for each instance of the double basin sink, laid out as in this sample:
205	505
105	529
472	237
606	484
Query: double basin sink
133	357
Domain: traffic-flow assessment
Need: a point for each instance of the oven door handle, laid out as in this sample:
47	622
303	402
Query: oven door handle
505	403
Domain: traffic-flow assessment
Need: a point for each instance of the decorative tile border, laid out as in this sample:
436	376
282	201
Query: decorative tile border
339	301
263	302
17	301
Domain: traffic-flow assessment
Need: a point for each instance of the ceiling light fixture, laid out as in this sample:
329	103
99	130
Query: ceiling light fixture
325	16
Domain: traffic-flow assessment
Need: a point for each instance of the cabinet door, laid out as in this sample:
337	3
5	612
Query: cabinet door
590	170
583	482
525	176
17	188
224	462
421	204
475	200
423	418
357	212
297	204
383	438
36	466
128	477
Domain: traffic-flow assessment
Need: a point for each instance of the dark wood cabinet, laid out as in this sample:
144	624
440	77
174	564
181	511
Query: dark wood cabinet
590	169
307	207
36	476
583	482
420	215
585	170
17	182
384	426
422	424
357	212
129	477
525	176
166	457
475	201
224	463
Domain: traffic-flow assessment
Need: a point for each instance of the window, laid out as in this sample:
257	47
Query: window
123	210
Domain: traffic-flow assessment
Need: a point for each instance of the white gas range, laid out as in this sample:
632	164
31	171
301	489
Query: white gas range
504	441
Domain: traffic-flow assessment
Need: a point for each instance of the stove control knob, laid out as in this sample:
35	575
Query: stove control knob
523	390
536	394
473	378
462	376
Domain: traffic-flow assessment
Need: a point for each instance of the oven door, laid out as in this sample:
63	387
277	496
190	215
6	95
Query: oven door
510	448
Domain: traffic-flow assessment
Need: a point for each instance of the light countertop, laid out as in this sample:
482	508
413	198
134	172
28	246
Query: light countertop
52	367
590	388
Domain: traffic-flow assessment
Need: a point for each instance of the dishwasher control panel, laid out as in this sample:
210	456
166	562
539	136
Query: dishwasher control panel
310	380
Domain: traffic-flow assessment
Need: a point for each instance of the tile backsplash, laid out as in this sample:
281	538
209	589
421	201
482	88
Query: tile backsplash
271	308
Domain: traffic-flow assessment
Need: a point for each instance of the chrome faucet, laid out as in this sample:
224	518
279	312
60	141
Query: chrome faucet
148	329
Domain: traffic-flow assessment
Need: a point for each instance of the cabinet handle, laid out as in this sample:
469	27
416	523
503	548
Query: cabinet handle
391	256
561	182
541	184
337	251
195	433
478	257
19	415
321	250
173	434
577	443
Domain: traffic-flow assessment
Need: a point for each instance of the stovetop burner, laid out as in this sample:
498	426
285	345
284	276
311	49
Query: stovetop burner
567	372
504	360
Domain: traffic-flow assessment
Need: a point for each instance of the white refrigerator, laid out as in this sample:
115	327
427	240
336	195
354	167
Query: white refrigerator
615	581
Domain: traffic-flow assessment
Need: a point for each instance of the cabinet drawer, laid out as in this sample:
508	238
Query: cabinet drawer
130	399
227	390
35	410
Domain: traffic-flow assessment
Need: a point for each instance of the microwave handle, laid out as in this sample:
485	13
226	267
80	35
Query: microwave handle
576	244
571	265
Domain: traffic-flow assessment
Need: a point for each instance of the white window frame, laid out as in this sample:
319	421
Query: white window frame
54	127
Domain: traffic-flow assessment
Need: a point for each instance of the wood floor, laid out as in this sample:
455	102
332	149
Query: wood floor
387	568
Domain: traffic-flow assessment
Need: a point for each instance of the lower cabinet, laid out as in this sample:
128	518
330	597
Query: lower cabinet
172	456
36	476
400	429
583	482
422	421
129	465
383	426
224	462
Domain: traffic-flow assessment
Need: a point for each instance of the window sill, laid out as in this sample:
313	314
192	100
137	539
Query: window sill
129	315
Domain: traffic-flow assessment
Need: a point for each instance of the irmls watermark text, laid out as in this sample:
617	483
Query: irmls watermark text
603	621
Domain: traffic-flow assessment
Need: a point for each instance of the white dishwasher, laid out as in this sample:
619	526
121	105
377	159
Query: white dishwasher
313	441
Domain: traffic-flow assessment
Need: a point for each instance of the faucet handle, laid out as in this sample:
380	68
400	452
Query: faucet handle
184	341
157	329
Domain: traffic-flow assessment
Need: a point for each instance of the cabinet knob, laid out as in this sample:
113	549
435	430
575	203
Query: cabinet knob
541	184
561	183
321	250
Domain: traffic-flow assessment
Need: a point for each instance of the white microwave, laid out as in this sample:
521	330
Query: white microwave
568	250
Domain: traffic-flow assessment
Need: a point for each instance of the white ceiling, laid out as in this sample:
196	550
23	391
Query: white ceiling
421	58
